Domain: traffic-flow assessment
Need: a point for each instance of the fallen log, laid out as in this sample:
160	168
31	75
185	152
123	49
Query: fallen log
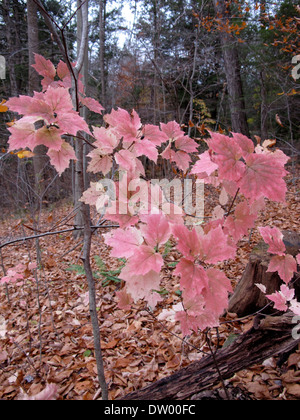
247	298
268	337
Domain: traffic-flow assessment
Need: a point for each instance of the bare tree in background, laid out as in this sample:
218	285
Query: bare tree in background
232	71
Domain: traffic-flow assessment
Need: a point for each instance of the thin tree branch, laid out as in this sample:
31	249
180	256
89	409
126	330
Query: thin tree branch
72	229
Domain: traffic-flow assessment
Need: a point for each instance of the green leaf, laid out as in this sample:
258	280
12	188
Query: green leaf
100	263
87	353
162	292
173	264
230	339
77	268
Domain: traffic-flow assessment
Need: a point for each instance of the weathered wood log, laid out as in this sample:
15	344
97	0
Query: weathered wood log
271	336
247	298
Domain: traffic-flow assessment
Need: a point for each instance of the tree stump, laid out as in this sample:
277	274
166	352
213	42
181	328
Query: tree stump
247	298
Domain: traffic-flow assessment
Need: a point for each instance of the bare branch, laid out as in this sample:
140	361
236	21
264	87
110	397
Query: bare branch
40	235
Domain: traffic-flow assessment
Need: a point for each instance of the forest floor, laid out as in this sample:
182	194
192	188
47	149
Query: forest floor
46	336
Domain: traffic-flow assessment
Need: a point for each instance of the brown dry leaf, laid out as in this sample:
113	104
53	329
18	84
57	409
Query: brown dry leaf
294	360
294	390
110	345
174	362
259	390
83	386
63	375
290	377
123	362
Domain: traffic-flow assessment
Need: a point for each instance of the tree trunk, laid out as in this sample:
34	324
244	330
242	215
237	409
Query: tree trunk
247	298
40	158
271	336
232	71
11	44
264	107
83	209
79	148
102	14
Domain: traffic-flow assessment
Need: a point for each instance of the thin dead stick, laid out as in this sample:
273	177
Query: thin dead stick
213	355
4	272
173	334
27	238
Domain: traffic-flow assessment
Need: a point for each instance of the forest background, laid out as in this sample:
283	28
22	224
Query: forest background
209	65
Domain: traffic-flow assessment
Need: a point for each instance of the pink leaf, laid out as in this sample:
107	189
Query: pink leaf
282	297
60	159
22	135
156	231
298	259
59	100
285	266
186	144
193	276
125	159
228	155
204	166
124	300
124	243
154	134
295	307
246	144
273	237
92	104
26	105
49	137
167	153
70	122
147	148
182	160
92	194
124	220
106	141
62	70
188	241
145	259
172	130
215	247
243	220
279	301
142	286
210	248
263	176
44	67
216	294
14	274
124	124
190	323
50	393
99	163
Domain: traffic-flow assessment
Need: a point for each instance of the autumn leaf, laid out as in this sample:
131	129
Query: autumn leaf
278	120
24	154
3	108
274	238
285	265
60	159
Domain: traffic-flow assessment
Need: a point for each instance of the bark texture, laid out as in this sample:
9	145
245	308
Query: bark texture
270	336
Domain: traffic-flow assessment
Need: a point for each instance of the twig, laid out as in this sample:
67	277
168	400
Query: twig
175	335
213	355
232	203
72	229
